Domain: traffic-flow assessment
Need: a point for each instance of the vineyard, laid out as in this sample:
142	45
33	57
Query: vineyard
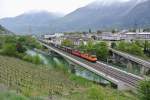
33	80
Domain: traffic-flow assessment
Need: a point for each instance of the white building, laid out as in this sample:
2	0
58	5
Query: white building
48	36
59	34
132	36
54	38
109	37
55	35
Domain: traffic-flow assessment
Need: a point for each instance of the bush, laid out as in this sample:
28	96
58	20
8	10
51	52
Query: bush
144	90
79	80
95	93
67	42
34	59
30	42
16	46
27	58
9	49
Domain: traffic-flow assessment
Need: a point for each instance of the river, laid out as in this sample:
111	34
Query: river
56	61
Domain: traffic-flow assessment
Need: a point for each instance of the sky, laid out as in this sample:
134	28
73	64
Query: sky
11	8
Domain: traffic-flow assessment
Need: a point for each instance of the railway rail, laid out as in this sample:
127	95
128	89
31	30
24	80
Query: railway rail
127	78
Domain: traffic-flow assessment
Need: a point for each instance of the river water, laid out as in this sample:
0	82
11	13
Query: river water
56	61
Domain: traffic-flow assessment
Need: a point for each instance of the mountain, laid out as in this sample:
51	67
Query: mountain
97	15
4	30
33	22
138	16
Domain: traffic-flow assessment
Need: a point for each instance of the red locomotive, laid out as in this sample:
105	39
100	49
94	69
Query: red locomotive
91	58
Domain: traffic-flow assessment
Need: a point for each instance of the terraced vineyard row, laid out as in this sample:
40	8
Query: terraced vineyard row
26	78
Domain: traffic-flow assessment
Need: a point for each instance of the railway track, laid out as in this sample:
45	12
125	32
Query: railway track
119	75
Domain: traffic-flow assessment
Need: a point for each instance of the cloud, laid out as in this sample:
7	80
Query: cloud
15	7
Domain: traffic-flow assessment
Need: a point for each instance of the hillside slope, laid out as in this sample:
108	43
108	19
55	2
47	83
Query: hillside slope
37	80
32	22
4	30
139	16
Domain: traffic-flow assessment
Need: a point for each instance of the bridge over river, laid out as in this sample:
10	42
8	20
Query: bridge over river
122	79
129	60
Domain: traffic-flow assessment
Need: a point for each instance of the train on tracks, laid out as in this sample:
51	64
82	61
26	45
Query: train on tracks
86	56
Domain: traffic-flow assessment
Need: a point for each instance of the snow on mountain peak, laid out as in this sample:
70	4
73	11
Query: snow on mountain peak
109	2
98	3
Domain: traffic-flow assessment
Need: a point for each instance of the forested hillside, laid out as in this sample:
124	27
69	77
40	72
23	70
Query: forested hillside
4	31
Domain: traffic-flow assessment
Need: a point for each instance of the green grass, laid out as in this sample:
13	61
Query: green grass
11	96
34	81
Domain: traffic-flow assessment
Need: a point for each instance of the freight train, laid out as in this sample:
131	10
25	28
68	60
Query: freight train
86	56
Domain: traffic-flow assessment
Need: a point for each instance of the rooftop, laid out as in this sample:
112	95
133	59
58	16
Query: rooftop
142	33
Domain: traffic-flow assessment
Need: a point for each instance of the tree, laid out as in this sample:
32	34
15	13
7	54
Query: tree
102	50
131	48
90	46
144	90
147	48
135	49
99	32
113	31
20	48
1	44
146	30
90	31
93	37
132	30
32	42
113	45
82	47
139	43
67	42
22	40
122	46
